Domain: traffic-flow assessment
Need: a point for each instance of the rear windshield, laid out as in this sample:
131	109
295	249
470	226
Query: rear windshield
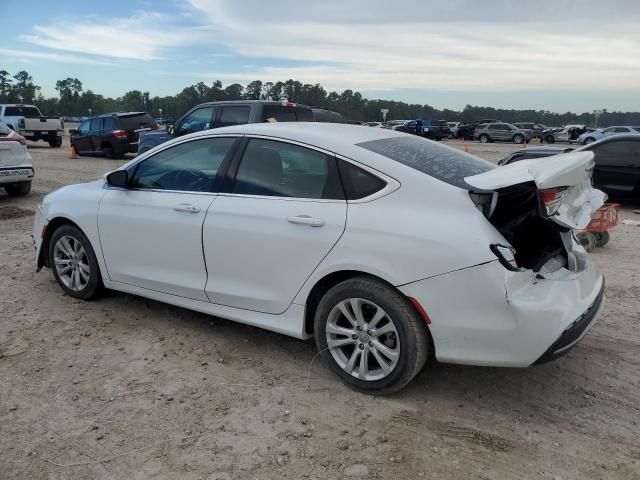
327	116
281	113
136	122
21	112
440	123
447	164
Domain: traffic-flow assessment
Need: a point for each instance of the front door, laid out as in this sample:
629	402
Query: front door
151	233
270	229
81	139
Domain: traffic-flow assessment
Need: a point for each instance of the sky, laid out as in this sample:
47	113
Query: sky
556	55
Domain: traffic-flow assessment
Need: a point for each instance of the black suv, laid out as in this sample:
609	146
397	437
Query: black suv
223	114
112	134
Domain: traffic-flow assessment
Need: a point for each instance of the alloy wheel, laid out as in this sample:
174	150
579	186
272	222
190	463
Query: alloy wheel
71	263
363	339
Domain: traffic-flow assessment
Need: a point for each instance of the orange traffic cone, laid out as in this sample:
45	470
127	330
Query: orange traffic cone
73	155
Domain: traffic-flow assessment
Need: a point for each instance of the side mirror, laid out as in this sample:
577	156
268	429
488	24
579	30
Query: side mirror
171	130
72	131
119	178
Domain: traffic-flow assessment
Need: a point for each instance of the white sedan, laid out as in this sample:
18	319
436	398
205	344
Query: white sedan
16	169
385	247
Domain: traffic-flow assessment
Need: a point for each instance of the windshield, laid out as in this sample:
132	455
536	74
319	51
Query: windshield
447	164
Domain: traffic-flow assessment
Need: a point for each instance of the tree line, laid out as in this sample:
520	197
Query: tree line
73	100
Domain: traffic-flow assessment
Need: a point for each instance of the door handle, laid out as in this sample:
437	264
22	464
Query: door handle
186	207
306	220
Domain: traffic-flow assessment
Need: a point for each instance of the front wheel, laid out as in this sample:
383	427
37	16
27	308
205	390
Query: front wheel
484	138
74	263
19	189
371	335
518	139
589	140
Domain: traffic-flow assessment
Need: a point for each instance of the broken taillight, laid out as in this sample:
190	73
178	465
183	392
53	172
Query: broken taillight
551	199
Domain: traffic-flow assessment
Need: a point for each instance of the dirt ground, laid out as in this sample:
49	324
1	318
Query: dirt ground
128	388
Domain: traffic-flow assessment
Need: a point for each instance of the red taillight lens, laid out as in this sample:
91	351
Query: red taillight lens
119	134
14	138
551	199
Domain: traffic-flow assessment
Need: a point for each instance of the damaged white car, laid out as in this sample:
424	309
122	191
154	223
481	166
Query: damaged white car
385	247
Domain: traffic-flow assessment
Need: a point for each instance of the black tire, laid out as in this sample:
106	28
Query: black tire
602	238
94	285
19	189
55	142
77	151
550	139
484	138
589	140
108	152
412	333
518	139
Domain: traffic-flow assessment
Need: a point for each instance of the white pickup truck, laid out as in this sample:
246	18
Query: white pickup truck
31	124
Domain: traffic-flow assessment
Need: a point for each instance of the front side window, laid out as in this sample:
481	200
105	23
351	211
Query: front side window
197	120
278	169
83	129
188	167
233	115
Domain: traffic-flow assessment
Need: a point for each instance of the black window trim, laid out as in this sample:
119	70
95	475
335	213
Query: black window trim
220	174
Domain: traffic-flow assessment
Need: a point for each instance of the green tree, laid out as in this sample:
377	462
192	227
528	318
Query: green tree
234	91
24	88
5	86
253	90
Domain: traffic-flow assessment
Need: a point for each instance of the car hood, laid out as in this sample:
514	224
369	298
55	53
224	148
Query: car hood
572	170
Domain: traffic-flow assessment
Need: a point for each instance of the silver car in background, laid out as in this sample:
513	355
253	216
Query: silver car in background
502	132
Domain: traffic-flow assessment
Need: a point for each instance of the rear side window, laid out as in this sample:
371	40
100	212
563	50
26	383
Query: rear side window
22	112
233	115
109	123
281	113
279	169
439	161
358	183
327	116
96	124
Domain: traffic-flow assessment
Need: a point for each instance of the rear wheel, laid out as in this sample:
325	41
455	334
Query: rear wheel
550	139
518	139
19	189
484	138
371	335
107	151
74	263
55	142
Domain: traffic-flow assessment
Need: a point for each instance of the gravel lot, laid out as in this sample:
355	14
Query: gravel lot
128	388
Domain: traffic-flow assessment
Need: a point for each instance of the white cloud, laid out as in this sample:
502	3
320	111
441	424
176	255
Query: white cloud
141	36
52	57
450	48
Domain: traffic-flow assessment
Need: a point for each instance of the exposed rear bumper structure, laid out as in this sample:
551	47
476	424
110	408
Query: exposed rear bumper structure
574	332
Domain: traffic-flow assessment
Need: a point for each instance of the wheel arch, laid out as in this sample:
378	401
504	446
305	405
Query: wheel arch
324	284
52	226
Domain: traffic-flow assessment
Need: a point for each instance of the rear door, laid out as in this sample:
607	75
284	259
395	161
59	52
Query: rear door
95	133
232	115
279	216
617	169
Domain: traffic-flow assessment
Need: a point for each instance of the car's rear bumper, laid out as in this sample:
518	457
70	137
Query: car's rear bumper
11	175
487	315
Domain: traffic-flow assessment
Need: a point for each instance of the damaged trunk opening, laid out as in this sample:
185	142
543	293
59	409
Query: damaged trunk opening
515	212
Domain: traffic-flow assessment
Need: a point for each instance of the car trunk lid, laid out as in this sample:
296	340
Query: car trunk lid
563	183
